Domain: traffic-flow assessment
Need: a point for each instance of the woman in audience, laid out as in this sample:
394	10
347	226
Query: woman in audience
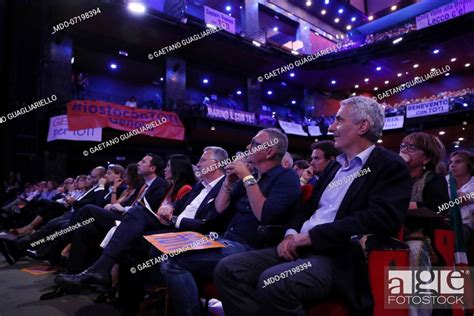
133	181
180	175
422	152
461	165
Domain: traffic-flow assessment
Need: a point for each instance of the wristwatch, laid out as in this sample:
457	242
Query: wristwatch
249	180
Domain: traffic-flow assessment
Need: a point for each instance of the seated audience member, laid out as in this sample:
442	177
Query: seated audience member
134	182
462	167
323	152
13	250
299	166
49	192
139	217
132	102
369	202
287	161
267	200
422	152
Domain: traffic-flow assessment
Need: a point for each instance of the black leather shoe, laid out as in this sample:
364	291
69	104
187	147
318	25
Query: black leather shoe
84	280
56	292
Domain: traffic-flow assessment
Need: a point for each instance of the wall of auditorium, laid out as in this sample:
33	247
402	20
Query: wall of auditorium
118	91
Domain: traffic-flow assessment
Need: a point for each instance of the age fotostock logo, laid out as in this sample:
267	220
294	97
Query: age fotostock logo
439	288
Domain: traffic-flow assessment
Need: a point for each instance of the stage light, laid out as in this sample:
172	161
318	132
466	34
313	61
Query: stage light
376	88
399	74
436	51
461	139
353	93
213	128
340	11
326	1
72	60
228	8
241	7
465	105
292	74
356	86
283	84
161	79
378	68
432	69
467	65
415	66
294	52
205	81
464	122
348	27
113	66
387	82
275	29
398	40
136	7
379	141
323	12
446	74
453	60
442	132
308	3
256	43
336	20
123	53
333	82
366	79
353	19
239	92
269	92
293	101
371	18
393	7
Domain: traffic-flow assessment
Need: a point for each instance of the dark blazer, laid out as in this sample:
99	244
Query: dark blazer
376	203
156	193
206	217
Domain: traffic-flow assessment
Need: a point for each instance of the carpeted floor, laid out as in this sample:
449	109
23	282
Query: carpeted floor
20	292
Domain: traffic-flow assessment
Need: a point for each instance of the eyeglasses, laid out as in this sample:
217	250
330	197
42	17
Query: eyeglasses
409	147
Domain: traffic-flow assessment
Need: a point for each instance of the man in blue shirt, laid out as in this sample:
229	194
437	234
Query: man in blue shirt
267	200
366	192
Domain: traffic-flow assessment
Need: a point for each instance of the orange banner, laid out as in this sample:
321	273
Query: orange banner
84	114
182	241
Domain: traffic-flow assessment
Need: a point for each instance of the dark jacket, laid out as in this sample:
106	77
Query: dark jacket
156	193
206	217
376	203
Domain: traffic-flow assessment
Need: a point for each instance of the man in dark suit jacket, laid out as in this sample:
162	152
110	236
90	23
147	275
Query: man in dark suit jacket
366	192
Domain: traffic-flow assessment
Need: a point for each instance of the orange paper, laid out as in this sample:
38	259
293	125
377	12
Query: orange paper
173	242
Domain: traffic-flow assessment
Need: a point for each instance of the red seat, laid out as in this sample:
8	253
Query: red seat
444	243
378	260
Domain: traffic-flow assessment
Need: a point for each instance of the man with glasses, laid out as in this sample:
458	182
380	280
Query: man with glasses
267	200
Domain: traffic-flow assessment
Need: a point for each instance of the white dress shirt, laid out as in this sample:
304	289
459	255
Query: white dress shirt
191	209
